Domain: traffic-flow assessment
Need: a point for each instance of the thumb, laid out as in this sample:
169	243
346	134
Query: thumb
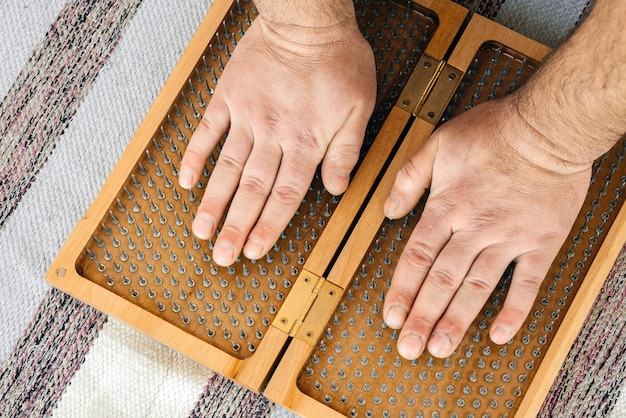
342	155
412	180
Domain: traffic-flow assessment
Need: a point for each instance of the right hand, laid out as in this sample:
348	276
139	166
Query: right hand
489	204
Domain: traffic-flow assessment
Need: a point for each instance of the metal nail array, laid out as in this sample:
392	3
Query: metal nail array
145	253
144	250
355	368
494	72
398	33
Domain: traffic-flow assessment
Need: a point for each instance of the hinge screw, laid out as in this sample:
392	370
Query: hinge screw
283	320
406	102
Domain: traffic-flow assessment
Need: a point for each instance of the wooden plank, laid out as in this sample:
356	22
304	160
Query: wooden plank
451	16
575	317
251	372
360	238
338	226
481	30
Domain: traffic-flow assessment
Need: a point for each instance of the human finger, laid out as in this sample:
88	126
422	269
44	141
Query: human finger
222	183
292	181
529	272
343	153
437	290
412	180
255	185
212	127
469	299
429	236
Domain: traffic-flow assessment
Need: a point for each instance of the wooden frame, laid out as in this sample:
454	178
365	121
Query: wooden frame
283	387
251	372
269	364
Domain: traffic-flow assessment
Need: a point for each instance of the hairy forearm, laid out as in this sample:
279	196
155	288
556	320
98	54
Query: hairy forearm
577	101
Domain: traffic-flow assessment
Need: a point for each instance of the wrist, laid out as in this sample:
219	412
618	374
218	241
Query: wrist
546	148
308	23
309	14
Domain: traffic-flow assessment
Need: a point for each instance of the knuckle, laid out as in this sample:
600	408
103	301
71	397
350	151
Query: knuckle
528	284
478	285
407	173
419	324
443	280
345	156
400	296
417	257
253	187
286	194
230	164
229	232
455	328
207	125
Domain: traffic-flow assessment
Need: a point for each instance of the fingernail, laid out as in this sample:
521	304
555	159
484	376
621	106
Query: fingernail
391	205
223	253
440	345
410	346
395	317
501	334
203	226
185	178
254	248
338	182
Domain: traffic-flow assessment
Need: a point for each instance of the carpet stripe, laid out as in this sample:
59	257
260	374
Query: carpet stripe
223	398
53	83
589	381
47	356
127	374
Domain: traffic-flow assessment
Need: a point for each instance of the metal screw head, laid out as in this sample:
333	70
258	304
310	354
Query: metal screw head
451	76
406	102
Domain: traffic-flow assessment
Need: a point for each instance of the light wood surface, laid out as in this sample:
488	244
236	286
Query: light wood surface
360	186
252	372
255	371
575	317
283	387
451	16
481	30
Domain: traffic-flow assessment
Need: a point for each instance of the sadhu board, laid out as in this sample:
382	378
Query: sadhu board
304	325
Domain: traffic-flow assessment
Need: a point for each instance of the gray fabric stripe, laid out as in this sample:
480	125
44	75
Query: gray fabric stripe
589	381
223	398
46	94
45	359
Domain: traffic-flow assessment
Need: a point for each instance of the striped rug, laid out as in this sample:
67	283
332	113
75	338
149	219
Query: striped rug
77	78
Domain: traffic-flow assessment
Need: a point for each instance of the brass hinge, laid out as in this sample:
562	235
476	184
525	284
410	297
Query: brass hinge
429	89
308	307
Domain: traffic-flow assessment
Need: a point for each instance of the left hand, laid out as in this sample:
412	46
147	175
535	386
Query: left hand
287	105
488	205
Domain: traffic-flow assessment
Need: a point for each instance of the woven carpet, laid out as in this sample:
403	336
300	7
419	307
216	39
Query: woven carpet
76	79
